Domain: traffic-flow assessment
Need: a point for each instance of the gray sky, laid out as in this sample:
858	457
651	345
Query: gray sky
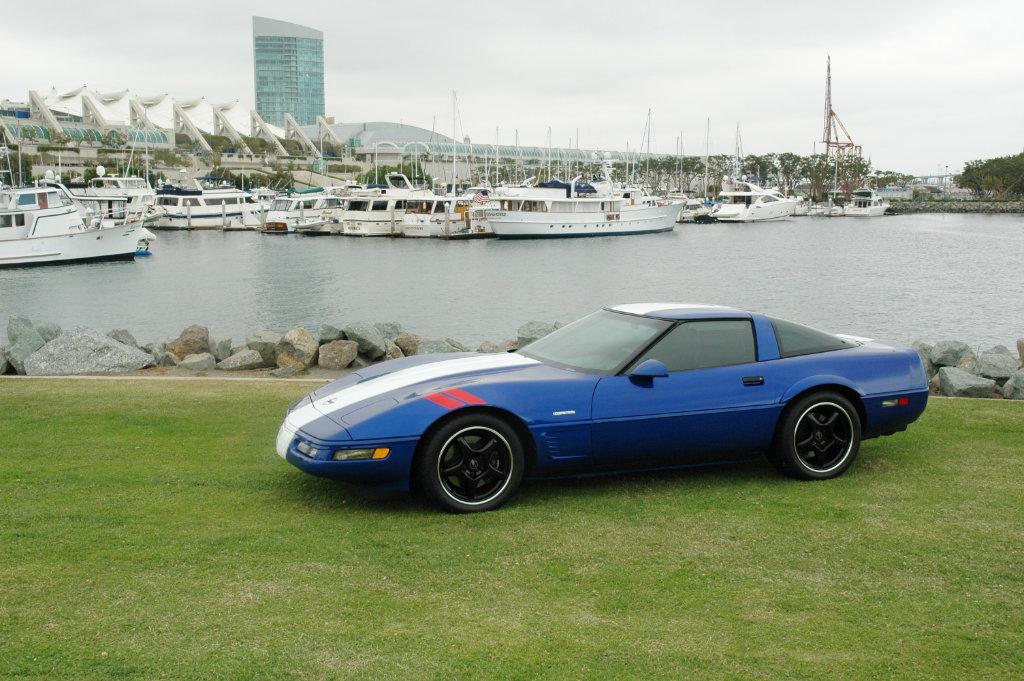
920	85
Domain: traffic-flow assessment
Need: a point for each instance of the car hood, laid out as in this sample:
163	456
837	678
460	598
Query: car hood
385	385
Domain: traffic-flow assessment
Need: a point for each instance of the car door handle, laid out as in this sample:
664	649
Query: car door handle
753	380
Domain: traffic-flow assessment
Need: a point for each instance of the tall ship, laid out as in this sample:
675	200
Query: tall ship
42	226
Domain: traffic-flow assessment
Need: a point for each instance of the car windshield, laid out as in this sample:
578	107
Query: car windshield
601	343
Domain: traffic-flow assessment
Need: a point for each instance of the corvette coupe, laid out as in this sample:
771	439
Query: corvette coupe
630	387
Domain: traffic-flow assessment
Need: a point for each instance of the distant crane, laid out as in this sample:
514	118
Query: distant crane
835	148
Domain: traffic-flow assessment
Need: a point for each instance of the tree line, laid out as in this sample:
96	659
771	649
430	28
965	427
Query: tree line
999	178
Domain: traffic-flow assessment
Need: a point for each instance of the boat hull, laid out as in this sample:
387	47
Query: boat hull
113	243
525	225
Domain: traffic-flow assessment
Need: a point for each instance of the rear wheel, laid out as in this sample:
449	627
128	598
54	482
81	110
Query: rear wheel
818	437
472	463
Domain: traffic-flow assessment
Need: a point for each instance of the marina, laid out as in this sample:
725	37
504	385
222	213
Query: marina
901	278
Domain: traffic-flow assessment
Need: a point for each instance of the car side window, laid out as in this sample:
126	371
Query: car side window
705	344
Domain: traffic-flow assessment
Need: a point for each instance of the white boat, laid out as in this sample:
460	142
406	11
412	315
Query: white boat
742	201
378	211
298	211
213	203
41	226
140	195
865	203
579	209
104	210
437	216
693	209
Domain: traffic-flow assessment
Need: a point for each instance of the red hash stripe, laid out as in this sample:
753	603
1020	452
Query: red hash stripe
464	396
443	400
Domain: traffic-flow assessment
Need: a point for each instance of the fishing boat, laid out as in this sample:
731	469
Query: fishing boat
743	201
212	203
865	203
41	226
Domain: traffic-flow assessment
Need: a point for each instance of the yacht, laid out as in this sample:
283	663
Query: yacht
437	216
743	201
104	210
42	226
579	209
693	209
865	203
212	203
299	211
139	193
378	211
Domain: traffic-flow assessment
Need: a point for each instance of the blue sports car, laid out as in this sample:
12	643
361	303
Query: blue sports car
631	387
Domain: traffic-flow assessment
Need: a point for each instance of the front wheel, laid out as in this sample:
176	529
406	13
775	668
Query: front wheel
472	463
818	437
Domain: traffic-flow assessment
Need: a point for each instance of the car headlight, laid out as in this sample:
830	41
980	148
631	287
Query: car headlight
358	454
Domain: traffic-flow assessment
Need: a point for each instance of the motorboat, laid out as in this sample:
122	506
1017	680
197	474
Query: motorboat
436	216
41	226
579	209
865	203
743	201
105	210
298	211
692	209
379	210
211	203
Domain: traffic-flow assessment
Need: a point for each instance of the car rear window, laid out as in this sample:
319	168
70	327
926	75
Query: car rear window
797	339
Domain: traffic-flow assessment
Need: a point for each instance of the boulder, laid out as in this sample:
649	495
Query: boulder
3	360
969	362
456	346
390	330
85	351
925	351
433	347
220	347
1020	349
123	336
167	359
408	343
329	334
958	383
948	353
297	348
531	331
371	341
156	349
998	364
1013	389
337	354
393	351
264	343
201	361
504	346
285	372
245	359
195	340
25	340
21	327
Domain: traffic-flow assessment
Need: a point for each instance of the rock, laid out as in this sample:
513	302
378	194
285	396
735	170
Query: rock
504	346
123	336
935	385
408	343
948	353
85	351
220	347
433	347
235	349
456	346
297	348
285	372
958	383
1013	389
531	331
244	360
390	330
998	364
329	334
156	349
925	351
195	340
360	362
202	361
371	341
264	343
968	362
1020	349
20	326
3	360
393	351
168	359
337	354
25	340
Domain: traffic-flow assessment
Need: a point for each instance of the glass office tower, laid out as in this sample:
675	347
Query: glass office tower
288	62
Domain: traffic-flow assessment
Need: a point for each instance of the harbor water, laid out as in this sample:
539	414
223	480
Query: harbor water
924	277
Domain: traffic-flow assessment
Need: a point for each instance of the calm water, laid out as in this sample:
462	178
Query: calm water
903	278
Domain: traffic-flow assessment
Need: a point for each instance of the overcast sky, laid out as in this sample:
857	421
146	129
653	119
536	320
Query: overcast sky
920	85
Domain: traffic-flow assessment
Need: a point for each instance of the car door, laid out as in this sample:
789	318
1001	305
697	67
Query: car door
716	402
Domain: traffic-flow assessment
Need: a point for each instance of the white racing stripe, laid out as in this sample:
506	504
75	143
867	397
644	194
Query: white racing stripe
402	379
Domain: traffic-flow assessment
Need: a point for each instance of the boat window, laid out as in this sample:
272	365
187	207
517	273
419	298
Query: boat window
399	205
357	205
379	205
191	202
12	220
704	344
439	206
26	199
280	204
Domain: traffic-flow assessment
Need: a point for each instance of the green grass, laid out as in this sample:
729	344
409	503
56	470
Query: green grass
149	531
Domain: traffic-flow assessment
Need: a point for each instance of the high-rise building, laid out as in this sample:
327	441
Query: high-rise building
288	65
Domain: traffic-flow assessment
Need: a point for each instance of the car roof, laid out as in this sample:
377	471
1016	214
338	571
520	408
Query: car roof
680	311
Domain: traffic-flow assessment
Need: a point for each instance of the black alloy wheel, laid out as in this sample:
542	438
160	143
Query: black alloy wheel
818	437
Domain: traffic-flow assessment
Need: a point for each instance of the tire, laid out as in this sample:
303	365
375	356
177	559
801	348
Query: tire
818	437
471	463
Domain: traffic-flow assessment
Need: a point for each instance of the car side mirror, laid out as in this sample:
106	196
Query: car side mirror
648	371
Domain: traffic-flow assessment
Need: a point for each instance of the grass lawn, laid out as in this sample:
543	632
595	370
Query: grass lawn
149	531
